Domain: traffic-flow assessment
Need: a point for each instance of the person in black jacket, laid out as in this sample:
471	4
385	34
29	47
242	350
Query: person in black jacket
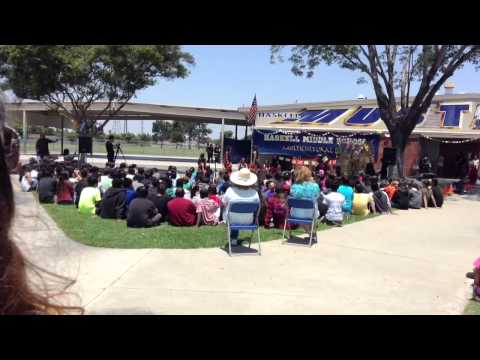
142	212
114	202
110	149
401	198
47	186
160	199
42	146
82	183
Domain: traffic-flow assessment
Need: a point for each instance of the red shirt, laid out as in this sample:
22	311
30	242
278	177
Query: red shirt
216	199
278	210
65	192
390	190
182	212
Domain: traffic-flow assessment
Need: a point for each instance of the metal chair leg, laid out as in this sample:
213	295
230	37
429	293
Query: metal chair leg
250	239
229	242
259	246
311	232
284	229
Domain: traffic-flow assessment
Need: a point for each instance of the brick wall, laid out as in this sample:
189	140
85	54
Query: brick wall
411	156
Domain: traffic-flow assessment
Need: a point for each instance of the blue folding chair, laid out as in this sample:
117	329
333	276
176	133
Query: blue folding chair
243	208
305	204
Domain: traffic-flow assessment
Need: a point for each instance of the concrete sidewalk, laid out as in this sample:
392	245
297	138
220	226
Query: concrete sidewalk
410	263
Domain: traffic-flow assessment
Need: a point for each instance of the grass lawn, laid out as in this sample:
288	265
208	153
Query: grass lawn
94	231
473	308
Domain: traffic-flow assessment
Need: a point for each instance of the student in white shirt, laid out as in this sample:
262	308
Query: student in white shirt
334	200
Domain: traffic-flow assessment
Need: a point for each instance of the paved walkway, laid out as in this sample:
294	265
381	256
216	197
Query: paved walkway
410	263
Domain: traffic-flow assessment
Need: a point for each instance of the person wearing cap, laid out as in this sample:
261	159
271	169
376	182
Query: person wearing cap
242	189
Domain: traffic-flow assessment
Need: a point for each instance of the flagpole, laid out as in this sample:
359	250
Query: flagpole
253	128
251	143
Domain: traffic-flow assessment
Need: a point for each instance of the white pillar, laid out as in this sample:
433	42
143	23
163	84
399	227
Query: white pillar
222	135
25	133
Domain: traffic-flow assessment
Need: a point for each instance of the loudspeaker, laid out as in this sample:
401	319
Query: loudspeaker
389	156
85	145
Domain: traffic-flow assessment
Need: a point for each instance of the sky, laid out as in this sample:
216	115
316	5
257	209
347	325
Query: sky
228	76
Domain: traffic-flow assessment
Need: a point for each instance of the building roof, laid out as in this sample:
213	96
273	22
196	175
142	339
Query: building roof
450	116
39	113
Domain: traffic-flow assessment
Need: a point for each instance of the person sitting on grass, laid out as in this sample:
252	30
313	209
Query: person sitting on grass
47	186
242	190
130	191
401	196
305	188
81	184
334	200
138	181
89	197
382	203
161	199
414	196
114	201
363	203
222	189
105	182
207	209
269	190
131	172
27	181
277	210
65	191
194	194
475	276
142	213
346	190
391	188
437	194
181	211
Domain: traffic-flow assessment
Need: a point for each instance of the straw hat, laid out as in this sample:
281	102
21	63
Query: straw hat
243	177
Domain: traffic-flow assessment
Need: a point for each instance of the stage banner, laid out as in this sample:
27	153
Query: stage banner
237	149
313	144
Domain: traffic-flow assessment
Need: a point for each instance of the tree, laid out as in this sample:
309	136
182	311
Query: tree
200	133
177	137
144	138
80	75
162	129
228	134
391	69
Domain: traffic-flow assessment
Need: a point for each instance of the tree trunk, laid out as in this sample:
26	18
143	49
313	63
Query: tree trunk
399	142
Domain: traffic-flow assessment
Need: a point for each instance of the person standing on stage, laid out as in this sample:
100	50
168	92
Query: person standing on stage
216	152
42	146
210	153
110	149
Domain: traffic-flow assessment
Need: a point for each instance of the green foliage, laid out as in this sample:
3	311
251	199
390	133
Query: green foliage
144	137
228	134
162	130
129	137
83	74
177	137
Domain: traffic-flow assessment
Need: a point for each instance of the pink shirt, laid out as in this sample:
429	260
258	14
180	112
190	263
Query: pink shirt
208	208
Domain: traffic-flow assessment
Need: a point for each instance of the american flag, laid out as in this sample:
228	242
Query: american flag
253	112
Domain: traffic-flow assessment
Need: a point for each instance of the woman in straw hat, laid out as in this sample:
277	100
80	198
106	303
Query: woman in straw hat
242	189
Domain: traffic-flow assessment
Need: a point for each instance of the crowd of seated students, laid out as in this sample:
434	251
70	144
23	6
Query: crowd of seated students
149	197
